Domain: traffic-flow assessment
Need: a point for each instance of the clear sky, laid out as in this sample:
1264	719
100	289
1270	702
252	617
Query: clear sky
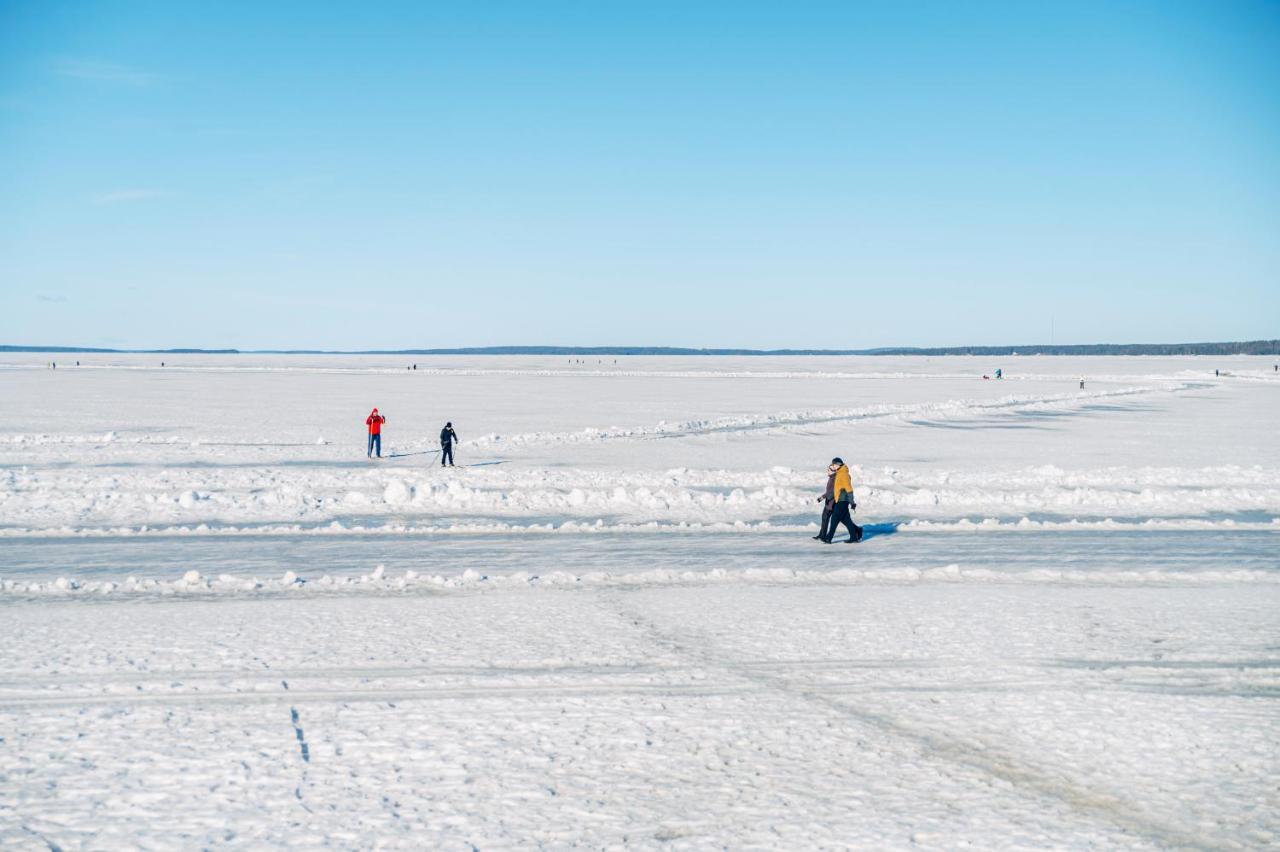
790	174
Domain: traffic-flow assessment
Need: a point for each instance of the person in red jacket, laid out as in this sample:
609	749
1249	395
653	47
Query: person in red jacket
374	421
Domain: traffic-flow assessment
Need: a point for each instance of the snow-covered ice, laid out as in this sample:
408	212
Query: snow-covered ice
609	626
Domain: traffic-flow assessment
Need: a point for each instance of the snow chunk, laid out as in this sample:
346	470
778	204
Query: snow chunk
397	493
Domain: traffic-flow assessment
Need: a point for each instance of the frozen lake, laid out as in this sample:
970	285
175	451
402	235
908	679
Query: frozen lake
609	625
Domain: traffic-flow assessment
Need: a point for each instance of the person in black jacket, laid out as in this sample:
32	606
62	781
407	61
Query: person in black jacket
828	501
447	437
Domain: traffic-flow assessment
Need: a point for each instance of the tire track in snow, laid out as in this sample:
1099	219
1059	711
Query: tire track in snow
763	679
53	847
935	411
991	759
698	690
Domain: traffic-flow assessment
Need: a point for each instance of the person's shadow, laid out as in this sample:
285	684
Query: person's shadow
875	530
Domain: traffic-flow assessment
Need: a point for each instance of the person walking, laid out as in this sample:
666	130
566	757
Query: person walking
374	421
828	501
842	488
447	437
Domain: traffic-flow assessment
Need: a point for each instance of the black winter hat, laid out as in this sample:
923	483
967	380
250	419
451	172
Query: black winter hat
837	460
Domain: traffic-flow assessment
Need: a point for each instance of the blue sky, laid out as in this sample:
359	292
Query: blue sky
704	174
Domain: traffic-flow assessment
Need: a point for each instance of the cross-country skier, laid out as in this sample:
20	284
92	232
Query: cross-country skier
828	501
842	488
447	437
374	421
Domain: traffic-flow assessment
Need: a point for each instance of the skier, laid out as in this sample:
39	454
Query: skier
447	437
842	488
374	421
828	501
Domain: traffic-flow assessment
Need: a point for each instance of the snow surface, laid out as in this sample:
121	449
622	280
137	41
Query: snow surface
223	625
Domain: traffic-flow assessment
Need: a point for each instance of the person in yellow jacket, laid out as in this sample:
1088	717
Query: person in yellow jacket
842	489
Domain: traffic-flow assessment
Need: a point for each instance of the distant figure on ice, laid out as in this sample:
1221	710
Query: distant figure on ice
447	437
842	488
374	421
999	373
828	501
1082	383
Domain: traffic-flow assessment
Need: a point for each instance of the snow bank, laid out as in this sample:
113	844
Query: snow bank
58	500
193	583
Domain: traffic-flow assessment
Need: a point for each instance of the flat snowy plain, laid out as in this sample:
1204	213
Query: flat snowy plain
223	626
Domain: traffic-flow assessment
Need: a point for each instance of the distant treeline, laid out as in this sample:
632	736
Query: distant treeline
1248	347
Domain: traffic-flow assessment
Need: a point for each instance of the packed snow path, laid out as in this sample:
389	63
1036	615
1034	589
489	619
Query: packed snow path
224	626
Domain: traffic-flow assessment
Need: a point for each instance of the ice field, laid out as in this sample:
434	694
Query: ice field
609	626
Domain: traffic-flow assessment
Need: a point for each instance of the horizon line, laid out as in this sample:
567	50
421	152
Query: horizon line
1243	347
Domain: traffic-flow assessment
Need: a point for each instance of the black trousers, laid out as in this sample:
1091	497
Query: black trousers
446	452
841	516
827	510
